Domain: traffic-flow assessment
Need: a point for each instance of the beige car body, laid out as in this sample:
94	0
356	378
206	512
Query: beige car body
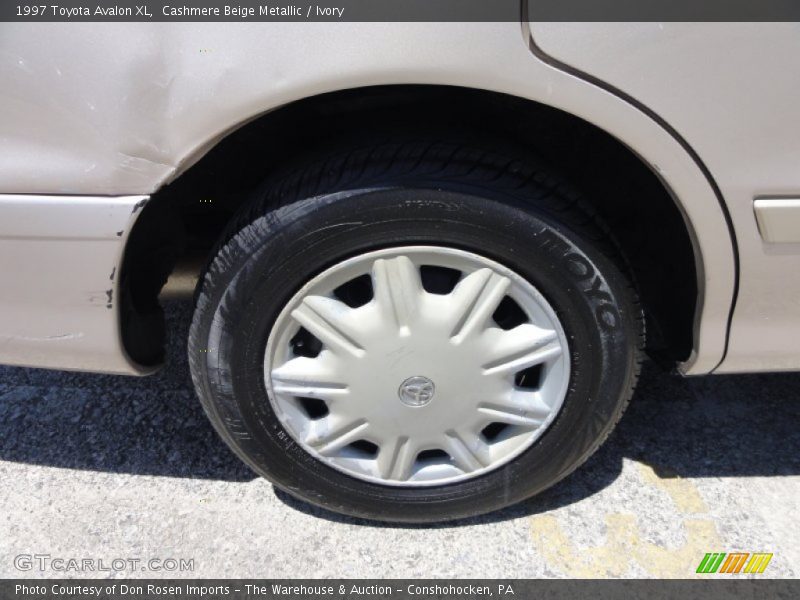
95	118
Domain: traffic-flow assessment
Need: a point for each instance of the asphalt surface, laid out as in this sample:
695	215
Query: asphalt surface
105	467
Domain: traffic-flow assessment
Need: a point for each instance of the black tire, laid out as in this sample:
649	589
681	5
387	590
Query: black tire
511	211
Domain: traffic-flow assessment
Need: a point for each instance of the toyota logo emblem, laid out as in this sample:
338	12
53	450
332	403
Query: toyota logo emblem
416	391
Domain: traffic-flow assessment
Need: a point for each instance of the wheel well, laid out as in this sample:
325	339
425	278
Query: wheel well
183	220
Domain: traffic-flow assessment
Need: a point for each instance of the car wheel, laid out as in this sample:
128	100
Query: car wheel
416	333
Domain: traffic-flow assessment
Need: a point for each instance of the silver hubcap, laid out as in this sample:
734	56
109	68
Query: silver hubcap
417	366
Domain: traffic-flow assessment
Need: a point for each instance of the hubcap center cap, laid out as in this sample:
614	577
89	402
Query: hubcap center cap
416	391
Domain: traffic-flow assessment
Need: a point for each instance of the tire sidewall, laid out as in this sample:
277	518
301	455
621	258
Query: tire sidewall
263	266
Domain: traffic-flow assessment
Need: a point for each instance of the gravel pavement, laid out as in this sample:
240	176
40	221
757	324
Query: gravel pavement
105	467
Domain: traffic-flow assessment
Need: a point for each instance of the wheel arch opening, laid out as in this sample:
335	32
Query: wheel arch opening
180	225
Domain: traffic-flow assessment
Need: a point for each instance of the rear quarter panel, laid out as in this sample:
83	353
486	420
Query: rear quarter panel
731	90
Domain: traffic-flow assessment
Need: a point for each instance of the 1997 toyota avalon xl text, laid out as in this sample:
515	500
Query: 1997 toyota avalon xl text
431	256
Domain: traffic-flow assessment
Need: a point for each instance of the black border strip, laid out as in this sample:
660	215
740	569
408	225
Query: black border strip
430	11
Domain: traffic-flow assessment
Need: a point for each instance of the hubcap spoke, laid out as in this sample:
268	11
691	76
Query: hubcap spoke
410	387
467	451
522	347
308	377
325	319
502	414
396	459
521	402
397	288
475	299
327	391
337	439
